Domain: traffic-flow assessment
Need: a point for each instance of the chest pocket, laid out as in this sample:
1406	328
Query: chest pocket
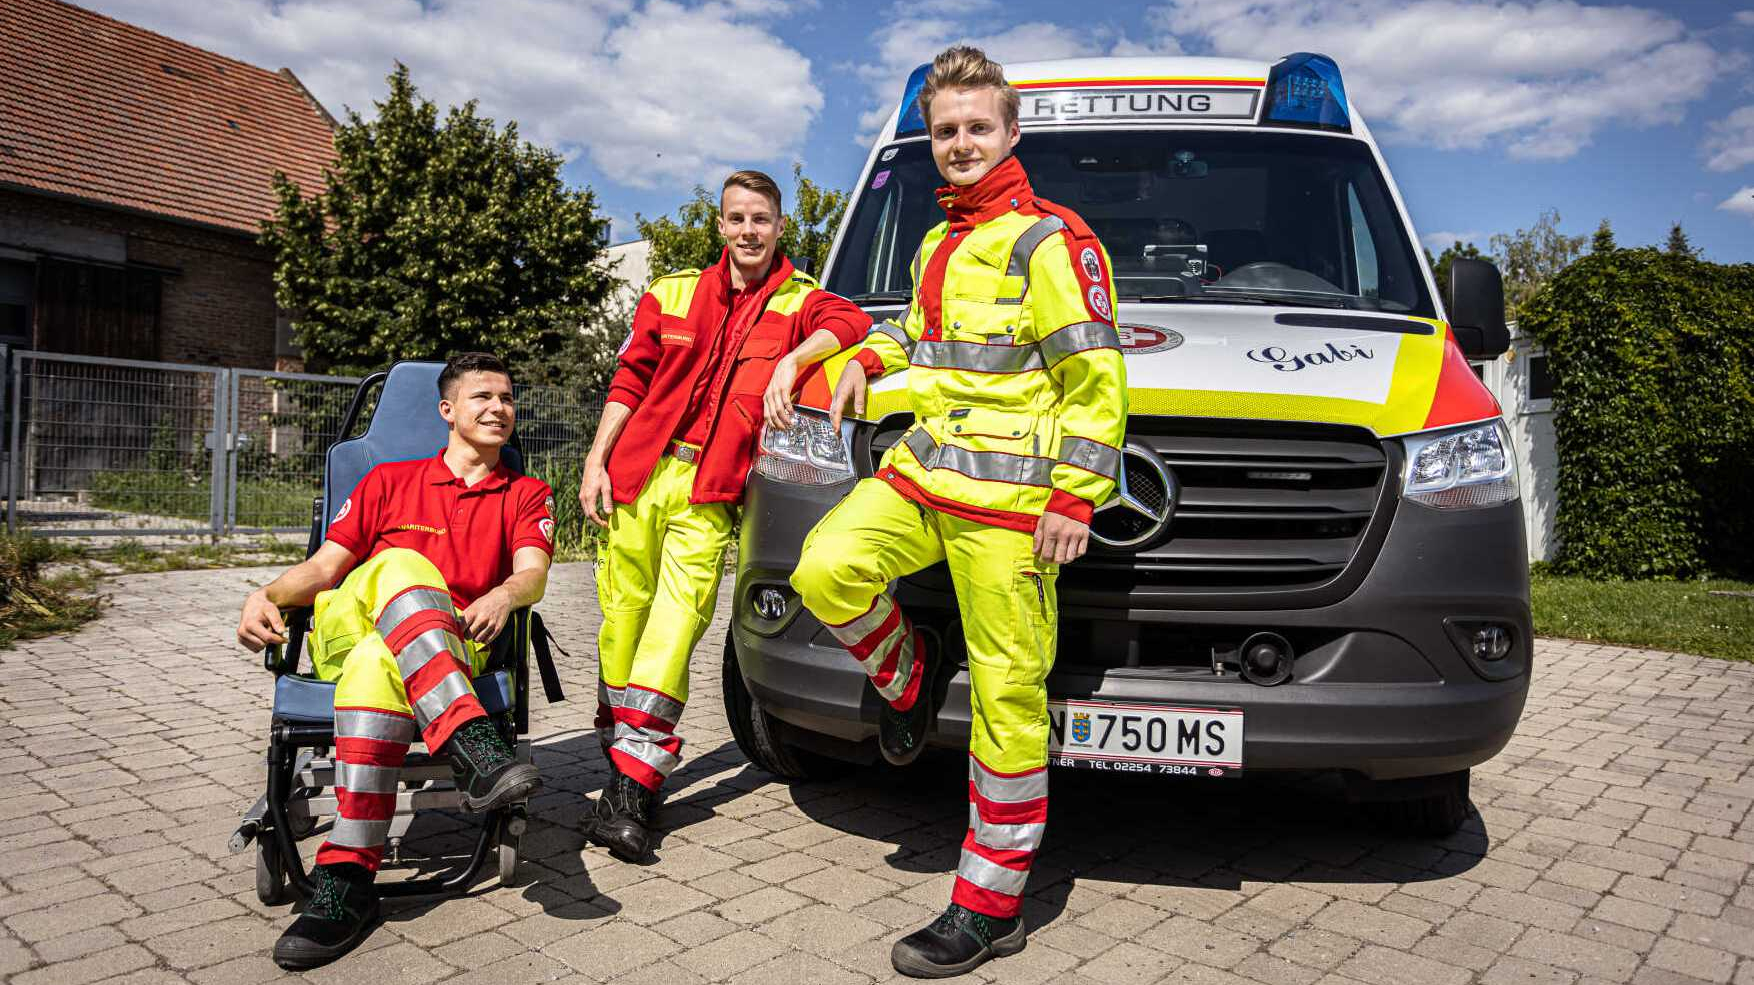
756	358
981	303
674	333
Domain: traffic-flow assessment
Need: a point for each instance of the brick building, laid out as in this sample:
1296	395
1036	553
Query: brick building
134	175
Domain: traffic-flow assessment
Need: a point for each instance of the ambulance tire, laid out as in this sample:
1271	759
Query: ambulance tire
270	873
1437	811
757	732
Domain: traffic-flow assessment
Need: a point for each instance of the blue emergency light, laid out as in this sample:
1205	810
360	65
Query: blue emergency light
1304	89
912	121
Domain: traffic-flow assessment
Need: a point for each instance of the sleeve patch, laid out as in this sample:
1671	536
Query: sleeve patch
346	508
1098	299
1089	265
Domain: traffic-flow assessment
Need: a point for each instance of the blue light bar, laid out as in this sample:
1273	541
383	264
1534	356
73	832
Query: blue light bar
1304	89
912	121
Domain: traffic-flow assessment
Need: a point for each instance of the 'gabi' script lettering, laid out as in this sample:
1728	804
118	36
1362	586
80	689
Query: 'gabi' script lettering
1286	361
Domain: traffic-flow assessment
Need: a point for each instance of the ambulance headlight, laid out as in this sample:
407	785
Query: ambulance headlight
1461	468
811	451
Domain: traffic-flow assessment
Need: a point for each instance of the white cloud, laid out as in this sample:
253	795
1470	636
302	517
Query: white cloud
1439	241
654	92
1537	77
1741	203
1745	17
908	41
1729	142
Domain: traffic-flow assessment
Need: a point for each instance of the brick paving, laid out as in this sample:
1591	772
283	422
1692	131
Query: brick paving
1613	842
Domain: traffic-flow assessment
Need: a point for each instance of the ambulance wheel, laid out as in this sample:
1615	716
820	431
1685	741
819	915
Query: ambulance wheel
757	733
270	873
1424	807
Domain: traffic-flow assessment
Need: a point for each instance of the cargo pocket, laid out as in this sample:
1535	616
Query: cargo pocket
1034	602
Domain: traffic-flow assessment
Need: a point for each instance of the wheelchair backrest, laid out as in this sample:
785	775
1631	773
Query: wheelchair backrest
405	425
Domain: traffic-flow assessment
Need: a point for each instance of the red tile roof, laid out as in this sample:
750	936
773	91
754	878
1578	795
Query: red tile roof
108	112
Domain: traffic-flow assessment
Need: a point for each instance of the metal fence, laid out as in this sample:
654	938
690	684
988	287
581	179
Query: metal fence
108	447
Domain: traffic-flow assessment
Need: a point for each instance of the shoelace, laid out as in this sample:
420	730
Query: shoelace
329	901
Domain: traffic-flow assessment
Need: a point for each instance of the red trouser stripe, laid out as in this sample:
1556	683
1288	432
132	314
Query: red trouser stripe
637	768
419	623
999	812
983	900
362	806
462	709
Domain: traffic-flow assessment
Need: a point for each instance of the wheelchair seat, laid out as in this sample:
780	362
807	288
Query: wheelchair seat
305	700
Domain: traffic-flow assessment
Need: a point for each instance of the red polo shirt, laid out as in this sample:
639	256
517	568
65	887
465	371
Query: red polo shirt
468	532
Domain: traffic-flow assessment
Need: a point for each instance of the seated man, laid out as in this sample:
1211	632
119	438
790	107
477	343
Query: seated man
437	553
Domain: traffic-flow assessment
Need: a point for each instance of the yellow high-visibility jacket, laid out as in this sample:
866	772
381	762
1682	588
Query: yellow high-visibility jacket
1014	363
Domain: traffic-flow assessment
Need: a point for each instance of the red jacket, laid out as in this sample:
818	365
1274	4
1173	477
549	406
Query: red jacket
674	330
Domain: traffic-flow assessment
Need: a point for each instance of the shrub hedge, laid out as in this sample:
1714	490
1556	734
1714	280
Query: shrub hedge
1653	363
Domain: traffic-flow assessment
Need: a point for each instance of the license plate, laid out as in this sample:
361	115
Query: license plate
1133	738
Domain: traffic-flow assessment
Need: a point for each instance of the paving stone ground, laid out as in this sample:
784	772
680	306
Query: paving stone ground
1613	842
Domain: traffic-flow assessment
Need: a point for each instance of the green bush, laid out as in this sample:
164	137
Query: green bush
1653	363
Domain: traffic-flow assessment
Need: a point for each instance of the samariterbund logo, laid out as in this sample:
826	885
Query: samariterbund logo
423	528
1138	339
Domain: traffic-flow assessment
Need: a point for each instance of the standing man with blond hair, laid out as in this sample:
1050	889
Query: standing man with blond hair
1020	399
713	354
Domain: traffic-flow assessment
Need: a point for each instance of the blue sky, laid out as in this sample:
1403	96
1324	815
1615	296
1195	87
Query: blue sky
1489	111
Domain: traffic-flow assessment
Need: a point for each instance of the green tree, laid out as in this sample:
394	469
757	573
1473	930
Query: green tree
1529	258
1440	265
1679	244
691	238
1603	240
431	237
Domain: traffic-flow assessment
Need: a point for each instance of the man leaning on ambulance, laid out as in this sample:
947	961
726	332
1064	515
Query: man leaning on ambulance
1019	393
713	354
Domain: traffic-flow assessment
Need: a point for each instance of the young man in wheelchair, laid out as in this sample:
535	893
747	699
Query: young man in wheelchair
437	553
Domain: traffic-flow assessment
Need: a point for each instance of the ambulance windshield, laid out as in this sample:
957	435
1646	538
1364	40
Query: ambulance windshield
1244	217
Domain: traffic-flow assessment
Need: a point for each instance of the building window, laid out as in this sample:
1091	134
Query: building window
1540	377
17	289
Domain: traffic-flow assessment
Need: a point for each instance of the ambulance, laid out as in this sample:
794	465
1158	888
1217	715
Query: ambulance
1315	559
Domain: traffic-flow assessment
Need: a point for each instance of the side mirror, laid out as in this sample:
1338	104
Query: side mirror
1476	308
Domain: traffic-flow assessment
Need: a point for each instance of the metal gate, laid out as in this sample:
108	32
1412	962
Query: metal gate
119	447
108	447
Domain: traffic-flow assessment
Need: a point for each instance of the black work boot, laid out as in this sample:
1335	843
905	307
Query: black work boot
487	771
335	919
622	818
901	735
956	943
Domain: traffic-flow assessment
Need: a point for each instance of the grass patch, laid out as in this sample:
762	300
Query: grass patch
134	557
1662	615
32	605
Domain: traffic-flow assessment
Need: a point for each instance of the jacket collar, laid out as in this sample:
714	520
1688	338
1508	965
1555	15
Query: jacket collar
438	473
998	191
718	276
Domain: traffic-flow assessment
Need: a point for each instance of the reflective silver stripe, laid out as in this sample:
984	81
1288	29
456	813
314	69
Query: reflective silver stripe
896	637
450	688
904	663
351	832
991	875
1091	455
410	602
610	696
353	723
652	703
977	357
1007	789
366	779
1005	837
854	633
639	747
1025	246
1078	337
894	331
995	466
427	645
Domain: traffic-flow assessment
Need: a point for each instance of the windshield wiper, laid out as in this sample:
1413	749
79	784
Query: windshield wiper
1269	295
883	297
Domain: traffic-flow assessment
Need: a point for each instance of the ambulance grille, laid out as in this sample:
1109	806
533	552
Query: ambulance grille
1264	505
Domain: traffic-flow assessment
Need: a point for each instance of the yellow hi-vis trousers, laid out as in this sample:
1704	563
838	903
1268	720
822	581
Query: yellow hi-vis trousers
388	637
1009	619
657	582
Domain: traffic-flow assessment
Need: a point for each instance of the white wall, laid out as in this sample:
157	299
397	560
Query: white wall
1530	419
